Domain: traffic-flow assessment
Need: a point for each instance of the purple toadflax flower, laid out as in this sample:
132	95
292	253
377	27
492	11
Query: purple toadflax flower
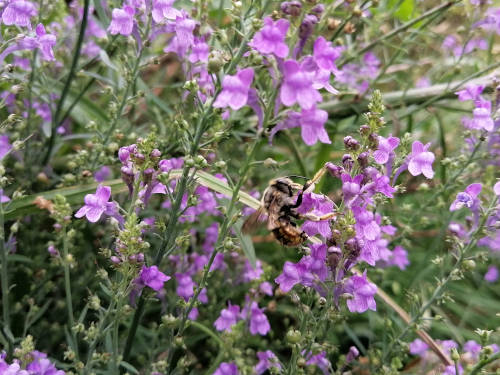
399	258
3	198
481	117
492	274
386	147
313	126
5	146
19	12
185	285
258	320
40	365
362	292
45	43
289	277
228	317
163	9
227	368
297	86
267	360
471	92
151	277
271	38
325	55
97	204
321	361
235	90
418	347
122	21
420	160
467	198
473	348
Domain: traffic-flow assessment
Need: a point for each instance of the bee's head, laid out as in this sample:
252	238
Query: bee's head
283	184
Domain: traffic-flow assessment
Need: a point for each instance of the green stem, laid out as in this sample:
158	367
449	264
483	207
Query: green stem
67	289
477	368
5	284
399	29
74	64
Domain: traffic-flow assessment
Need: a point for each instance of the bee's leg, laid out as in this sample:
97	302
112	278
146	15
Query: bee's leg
313	217
309	185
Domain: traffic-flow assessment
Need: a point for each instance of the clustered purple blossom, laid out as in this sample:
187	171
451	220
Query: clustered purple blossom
257	320
39	364
469	353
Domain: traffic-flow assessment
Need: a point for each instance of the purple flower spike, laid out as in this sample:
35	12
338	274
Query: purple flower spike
385	147
226	368
271	38
313	126
362	291
97	204
122	21
470	92
297	86
492	274
18	13
420	160
467	198
418	347
228	318
235	90
185	285
267	360
325	55
289	277
152	277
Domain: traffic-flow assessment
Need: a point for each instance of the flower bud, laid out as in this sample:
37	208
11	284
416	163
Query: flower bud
334	170
293	336
351	143
347	162
291	8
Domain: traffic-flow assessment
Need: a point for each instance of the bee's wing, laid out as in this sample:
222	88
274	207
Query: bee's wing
254	221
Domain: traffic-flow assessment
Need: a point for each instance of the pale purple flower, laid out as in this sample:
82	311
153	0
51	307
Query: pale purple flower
152	277
3	198
45	42
362	292
102	173
226	368
122	21
325	55
258	320
163	9
470	92
313	126
481	117
228	317
297	87
418	347
19	12
271	38
451	370
235	90
492	274
289	277
267	360
386	146
250	273
318	205
352	354
399	258
40	365
491	21
266	288
496	188
97	204
366	226
467	198
184	38
447	345
199	51
185	285
473	348
420	160
321	361
5	146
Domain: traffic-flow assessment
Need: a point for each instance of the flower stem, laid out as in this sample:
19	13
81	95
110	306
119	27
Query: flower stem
65	91
67	289
5	285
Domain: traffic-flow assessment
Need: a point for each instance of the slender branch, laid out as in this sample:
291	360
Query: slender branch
74	64
67	289
399	29
5	283
477	368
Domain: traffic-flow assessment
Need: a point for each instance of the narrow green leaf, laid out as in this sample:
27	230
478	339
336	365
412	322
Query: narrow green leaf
127	366
246	243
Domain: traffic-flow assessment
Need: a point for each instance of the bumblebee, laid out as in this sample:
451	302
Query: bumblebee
278	207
